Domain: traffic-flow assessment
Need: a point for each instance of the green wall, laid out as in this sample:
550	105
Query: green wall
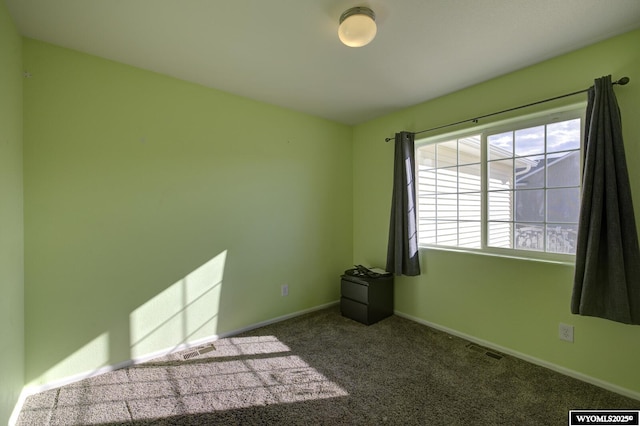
511	304
11	218
158	212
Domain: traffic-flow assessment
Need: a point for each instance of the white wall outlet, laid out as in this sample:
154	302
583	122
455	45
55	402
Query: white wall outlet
284	290
566	332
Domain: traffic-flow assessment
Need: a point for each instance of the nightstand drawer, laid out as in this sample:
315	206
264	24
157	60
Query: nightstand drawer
354	310
355	291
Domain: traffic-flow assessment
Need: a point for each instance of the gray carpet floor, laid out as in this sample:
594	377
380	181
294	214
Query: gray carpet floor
324	369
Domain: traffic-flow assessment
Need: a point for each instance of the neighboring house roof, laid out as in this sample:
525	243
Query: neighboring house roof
538	167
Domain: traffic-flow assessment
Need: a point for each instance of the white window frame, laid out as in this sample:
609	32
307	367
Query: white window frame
546	117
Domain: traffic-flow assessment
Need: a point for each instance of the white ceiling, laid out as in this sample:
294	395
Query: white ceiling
287	53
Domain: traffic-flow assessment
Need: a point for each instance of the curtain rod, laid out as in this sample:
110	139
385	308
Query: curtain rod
622	82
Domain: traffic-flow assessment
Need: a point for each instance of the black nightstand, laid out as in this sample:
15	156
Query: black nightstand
366	300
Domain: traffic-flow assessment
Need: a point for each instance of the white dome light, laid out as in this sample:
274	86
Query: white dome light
357	26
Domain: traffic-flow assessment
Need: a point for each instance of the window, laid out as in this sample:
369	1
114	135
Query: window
511	189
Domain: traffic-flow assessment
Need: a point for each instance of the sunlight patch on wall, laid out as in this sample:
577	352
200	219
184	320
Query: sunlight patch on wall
185	311
91	357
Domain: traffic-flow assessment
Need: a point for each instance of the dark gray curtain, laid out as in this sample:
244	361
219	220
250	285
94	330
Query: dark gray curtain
402	251
607	275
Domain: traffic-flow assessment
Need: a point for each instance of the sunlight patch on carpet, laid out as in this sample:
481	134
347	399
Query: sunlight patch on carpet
237	373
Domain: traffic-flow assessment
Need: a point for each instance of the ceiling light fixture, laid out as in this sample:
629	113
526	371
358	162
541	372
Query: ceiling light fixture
357	26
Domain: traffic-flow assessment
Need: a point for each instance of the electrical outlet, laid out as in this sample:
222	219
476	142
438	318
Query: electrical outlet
284	290
566	332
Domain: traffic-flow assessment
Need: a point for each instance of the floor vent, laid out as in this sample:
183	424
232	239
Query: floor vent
493	355
476	348
484	351
198	352
190	355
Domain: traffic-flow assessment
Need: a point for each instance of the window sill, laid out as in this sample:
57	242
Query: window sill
494	254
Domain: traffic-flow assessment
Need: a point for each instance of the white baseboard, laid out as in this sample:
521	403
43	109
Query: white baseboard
31	390
13	419
562	370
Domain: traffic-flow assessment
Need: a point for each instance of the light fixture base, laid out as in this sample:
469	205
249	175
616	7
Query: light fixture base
358	10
